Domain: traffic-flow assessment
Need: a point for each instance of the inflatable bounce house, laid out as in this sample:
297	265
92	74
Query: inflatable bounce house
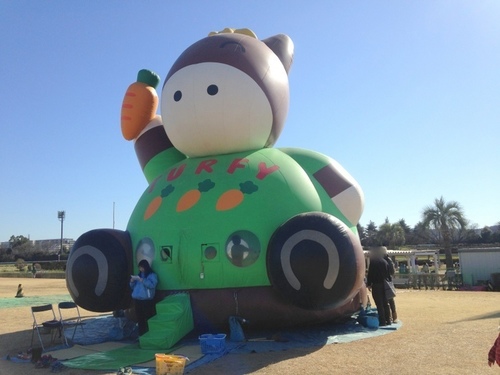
232	226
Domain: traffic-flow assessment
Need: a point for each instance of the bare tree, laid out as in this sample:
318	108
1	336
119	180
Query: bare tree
392	235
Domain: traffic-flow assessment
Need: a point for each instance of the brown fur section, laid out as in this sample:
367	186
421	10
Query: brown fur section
212	309
150	144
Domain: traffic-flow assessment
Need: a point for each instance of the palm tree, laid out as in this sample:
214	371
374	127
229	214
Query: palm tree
444	217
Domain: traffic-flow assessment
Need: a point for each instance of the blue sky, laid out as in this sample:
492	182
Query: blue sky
404	94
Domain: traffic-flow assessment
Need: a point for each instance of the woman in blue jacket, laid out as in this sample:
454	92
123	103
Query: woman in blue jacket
143	291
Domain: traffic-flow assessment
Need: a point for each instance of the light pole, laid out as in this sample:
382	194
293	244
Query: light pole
61	215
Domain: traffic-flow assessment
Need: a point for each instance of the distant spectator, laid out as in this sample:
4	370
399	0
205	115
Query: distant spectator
426	270
392	304
20	292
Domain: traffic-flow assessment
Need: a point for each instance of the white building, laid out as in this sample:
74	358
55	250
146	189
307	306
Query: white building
478	264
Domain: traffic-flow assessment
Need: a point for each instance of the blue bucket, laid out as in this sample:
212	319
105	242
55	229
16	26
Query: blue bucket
368	319
372	321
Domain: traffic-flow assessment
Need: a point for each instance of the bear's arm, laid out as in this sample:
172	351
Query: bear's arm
327	174
154	150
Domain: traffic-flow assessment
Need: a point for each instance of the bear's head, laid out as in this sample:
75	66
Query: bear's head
227	93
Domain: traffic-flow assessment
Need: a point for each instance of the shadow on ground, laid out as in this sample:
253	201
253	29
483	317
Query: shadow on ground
492	315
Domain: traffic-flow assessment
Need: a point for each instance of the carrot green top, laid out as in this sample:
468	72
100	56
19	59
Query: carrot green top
148	77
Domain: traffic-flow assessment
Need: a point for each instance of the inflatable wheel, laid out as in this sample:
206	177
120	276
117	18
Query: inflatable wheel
98	269
315	261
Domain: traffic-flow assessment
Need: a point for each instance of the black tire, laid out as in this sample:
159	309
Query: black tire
98	270
315	261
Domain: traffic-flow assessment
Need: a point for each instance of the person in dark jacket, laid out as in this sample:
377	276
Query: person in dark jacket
392	303
378	271
143	291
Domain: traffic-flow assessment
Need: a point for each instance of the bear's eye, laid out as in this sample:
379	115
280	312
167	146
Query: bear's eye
177	95
212	90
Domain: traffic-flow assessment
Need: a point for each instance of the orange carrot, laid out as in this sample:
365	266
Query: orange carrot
188	200
229	200
139	104
153	206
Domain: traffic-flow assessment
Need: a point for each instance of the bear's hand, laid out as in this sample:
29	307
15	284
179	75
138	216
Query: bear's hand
139	104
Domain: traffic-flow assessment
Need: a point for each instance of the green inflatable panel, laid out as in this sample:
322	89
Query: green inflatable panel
173	320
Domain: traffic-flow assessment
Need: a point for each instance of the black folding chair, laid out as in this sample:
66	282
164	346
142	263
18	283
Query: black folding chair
70	318
45	321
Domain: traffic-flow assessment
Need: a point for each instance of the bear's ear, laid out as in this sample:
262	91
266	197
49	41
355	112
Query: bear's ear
282	46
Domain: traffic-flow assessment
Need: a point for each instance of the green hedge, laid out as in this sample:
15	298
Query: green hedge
39	275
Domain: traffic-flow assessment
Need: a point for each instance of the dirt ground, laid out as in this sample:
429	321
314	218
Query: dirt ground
443	332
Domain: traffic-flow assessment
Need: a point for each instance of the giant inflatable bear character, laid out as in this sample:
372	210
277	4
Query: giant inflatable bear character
242	228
